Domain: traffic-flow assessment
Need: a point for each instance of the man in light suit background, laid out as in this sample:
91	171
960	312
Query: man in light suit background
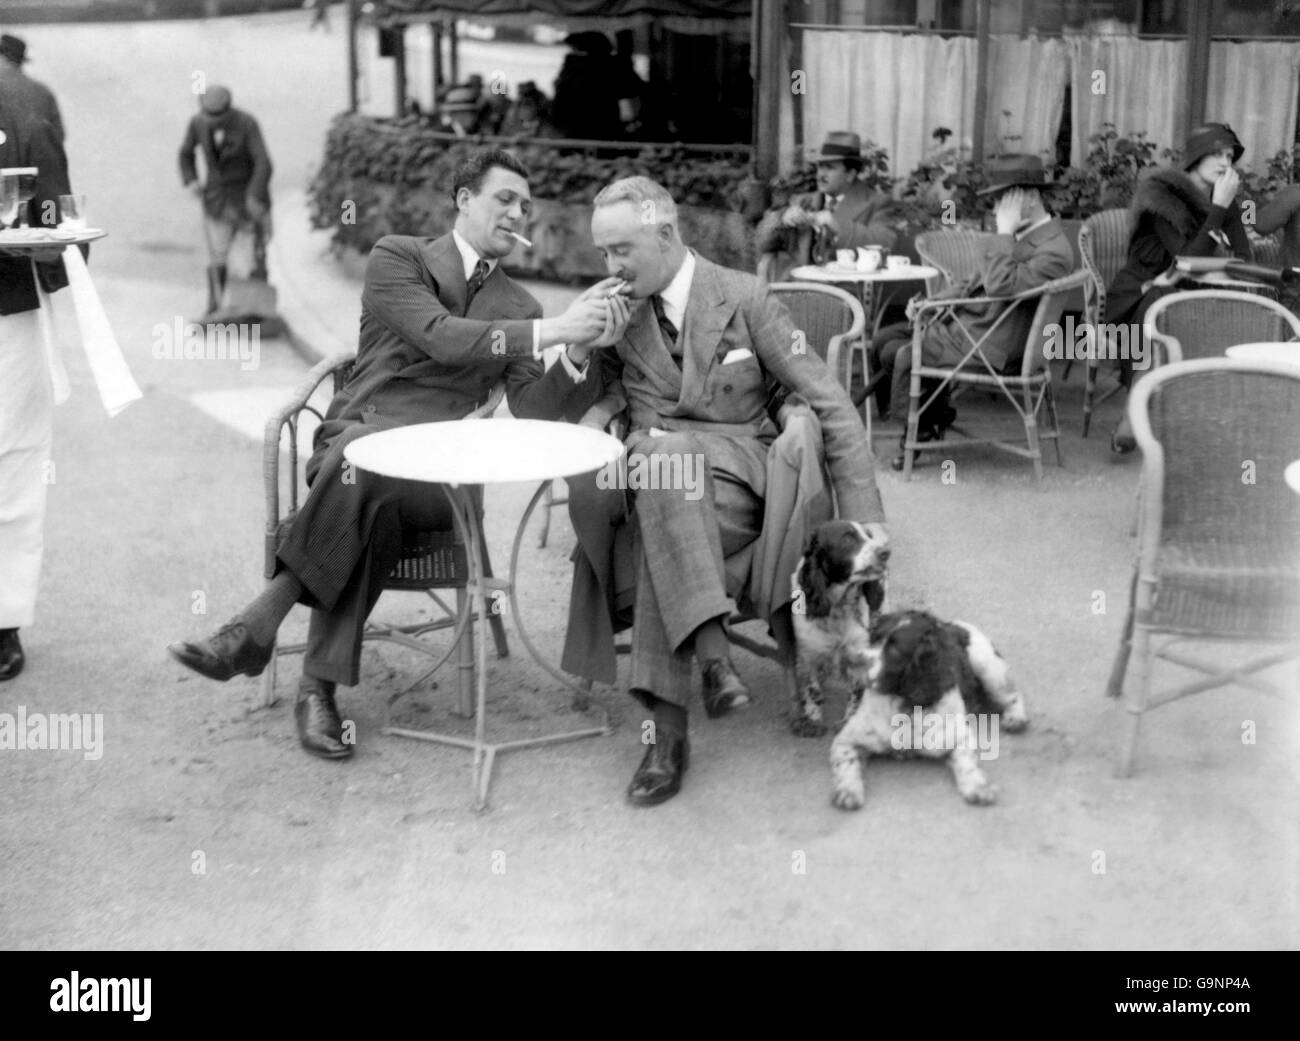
695	366
843	213
441	323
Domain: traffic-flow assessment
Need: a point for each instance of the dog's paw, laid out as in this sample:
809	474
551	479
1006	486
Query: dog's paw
802	726
1013	719
984	794
848	798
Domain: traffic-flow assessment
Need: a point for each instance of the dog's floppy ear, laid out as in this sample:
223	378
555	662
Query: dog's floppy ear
813	579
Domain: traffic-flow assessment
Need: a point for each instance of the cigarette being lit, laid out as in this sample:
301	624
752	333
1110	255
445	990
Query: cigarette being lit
520	238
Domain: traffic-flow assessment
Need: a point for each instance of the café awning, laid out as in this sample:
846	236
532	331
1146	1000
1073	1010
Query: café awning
689	16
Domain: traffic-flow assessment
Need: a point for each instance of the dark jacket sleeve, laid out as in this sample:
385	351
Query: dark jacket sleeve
1224	219
551	394
397	297
1010	271
259	185
43	209
1278	211
189	171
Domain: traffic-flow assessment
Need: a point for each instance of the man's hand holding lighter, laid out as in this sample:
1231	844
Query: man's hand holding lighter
612	292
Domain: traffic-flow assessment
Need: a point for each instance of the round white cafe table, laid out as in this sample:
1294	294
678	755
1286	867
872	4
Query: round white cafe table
838	273
459	455
1286	353
1292	475
866	281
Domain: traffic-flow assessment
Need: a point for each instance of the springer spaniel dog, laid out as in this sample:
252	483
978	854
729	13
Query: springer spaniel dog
916	684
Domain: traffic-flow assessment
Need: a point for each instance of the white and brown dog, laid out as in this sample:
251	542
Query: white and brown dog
915	684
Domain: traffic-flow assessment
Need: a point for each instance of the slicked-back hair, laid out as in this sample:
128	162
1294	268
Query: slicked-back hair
471	172
638	191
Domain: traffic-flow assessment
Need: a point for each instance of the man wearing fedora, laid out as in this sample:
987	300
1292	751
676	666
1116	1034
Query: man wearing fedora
21	90
1029	249
843	213
237	191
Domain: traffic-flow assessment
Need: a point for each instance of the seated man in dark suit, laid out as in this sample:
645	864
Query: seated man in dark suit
843	213
1029	250
695	366
441	324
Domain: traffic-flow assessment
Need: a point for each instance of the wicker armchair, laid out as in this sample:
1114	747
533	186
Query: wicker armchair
1033	384
833	322
1201	323
1103	247
430	559
1219	532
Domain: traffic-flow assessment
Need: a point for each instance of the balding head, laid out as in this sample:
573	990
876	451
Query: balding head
634	225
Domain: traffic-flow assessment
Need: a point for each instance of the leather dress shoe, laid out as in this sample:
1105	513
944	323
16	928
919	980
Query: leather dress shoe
319	728
659	777
11	654
231	651
923	436
723	689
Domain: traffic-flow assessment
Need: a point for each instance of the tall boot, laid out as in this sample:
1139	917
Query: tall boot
216	286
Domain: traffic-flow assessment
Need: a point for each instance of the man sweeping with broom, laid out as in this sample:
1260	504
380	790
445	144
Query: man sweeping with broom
236	196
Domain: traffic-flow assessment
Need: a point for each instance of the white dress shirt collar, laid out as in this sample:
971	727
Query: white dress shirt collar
678	292
469	257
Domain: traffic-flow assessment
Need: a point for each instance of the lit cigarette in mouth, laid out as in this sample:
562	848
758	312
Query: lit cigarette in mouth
519	238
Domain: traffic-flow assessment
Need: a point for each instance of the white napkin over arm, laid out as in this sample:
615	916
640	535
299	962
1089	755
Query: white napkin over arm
117	387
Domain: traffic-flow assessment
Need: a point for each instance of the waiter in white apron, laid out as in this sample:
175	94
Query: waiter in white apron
26	394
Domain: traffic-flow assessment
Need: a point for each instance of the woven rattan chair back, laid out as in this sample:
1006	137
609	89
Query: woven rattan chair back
1205	322
1267	251
956	253
826	315
1226	436
1103	247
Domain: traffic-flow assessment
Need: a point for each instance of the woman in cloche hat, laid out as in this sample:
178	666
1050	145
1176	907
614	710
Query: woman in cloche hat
1190	210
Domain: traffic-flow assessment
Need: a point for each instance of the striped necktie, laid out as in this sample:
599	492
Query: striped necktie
665	325
475	283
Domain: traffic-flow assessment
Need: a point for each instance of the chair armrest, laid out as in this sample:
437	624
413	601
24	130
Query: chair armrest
287	414
609	414
495	397
1074	280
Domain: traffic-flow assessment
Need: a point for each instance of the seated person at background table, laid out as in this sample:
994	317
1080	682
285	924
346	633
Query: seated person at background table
694	367
843	213
1193	211
1029	249
441	323
1282	212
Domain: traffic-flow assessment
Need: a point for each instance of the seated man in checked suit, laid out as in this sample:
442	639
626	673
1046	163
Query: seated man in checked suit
843	213
695	365
441	323
1029	250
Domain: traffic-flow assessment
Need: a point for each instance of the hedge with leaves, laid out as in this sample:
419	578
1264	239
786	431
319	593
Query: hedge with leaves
383	177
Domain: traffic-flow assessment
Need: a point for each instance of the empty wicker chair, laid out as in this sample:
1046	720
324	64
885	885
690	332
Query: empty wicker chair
1201	323
1103	247
1219	531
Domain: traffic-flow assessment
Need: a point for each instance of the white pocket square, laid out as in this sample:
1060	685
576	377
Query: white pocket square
737	354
